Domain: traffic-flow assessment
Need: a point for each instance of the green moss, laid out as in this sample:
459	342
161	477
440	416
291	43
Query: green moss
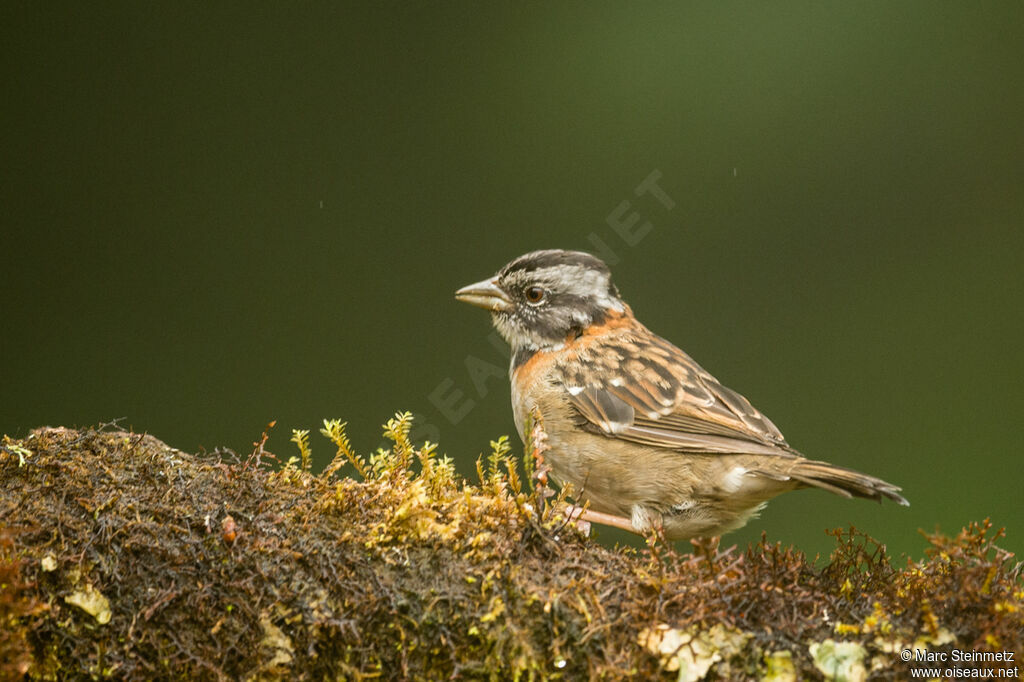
227	567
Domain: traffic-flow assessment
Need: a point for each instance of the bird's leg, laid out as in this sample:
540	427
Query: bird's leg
576	514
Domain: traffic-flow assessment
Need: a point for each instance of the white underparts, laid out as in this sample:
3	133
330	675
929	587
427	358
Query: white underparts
733	480
640	519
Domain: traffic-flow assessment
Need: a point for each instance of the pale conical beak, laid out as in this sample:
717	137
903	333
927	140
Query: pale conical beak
486	294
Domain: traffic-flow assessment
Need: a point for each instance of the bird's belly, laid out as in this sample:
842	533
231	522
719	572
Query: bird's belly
687	495
615	476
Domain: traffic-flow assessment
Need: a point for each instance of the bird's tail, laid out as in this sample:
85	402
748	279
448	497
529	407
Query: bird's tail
839	480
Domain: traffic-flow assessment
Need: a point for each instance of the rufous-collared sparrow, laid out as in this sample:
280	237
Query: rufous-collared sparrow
641	431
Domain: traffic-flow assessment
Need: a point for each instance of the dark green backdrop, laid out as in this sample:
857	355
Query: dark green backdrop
215	217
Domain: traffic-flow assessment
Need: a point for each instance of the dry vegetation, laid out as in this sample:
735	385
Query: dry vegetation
122	557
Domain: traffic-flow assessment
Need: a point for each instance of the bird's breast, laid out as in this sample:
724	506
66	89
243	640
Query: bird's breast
533	386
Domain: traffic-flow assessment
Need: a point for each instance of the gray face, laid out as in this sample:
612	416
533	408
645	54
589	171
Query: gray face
554	295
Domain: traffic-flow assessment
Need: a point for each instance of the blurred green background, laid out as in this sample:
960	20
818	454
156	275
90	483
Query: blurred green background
216	217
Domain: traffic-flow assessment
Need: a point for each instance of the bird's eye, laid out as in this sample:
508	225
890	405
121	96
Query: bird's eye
534	295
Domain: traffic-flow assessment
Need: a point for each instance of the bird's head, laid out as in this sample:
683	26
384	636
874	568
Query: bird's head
545	297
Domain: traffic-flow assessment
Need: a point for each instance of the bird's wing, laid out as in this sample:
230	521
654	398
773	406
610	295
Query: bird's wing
648	391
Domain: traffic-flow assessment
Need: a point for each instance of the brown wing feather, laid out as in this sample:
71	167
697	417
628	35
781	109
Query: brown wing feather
638	387
657	395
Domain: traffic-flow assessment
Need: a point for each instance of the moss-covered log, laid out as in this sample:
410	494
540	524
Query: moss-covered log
122	557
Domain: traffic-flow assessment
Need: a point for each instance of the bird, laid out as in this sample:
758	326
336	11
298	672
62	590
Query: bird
648	439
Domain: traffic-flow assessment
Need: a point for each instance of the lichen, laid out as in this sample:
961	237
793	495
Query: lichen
839	661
